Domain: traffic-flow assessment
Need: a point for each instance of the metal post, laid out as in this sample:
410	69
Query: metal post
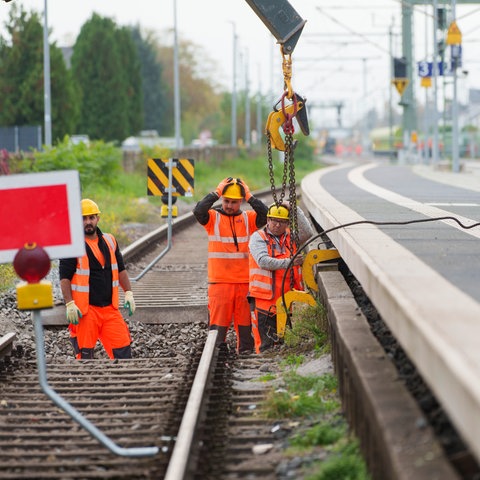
247	103
170	189
259	108
435	86
365	109
455	134
46	80
176	81
426	113
69	409
408	97
390	99
234	89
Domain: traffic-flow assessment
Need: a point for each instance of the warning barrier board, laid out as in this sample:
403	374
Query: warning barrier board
41	208
182	176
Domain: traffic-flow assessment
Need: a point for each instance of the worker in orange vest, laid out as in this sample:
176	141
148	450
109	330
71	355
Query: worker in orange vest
271	250
229	230
89	287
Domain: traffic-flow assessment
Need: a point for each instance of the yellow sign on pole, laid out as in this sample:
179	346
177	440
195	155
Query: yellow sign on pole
400	84
426	82
454	36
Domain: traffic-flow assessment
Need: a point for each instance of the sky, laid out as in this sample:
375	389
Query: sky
342	56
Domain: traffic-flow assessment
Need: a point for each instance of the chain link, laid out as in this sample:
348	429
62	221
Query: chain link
294	238
277	201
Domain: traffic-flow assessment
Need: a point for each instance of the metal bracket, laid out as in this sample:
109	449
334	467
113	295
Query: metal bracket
311	259
282	20
290	297
277	118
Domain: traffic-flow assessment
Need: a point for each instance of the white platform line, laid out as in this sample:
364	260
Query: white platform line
356	176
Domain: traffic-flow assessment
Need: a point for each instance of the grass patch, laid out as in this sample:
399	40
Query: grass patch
345	463
266	378
303	396
7	277
326	432
293	360
309	329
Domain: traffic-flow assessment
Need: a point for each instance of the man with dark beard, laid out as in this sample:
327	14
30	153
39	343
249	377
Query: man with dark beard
90	290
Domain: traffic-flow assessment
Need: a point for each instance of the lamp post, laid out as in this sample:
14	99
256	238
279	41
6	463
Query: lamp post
176	81
46	81
234	89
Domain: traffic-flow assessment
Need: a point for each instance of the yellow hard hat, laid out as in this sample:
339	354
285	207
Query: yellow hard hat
233	191
89	207
279	211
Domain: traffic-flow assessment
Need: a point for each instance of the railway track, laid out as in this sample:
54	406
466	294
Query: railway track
205	426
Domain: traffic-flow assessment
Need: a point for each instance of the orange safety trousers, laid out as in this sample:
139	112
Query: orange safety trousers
101	323
227	302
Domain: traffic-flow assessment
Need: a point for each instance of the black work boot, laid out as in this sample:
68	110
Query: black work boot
246	343
267	328
221	336
122	353
86	353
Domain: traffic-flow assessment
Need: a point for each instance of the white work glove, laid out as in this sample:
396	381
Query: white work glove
73	313
129	302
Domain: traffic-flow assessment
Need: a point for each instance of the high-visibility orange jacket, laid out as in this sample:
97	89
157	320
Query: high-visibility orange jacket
81	279
228	237
267	284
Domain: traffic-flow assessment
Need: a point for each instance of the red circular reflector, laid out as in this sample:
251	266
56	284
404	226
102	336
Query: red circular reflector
31	263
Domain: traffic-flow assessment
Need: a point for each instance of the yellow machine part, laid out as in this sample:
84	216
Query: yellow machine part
164	211
34	296
290	297
274	121
311	259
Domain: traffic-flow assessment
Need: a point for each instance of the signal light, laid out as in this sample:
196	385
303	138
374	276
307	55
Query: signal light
32	263
164	209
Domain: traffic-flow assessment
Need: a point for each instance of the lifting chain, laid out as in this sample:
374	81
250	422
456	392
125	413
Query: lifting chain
288	173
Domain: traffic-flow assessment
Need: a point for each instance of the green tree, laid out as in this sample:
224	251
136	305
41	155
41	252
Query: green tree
133	79
103	80
154	93
22	80
199	92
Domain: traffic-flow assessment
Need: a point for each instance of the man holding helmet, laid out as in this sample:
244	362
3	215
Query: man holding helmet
270	251
229	230
90	289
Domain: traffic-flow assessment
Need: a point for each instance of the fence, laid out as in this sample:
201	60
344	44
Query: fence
24	138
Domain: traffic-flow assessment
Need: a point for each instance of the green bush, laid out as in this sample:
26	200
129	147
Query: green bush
97	163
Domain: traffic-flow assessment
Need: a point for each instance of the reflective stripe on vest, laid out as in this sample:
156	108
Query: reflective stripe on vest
266	284
227	260
81	278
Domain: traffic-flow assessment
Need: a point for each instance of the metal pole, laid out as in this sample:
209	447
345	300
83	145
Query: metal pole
259	108
426	113
176	81
435	86
390	99
46	80
69	409
170	190
234	89
247	102
455	135
365	109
